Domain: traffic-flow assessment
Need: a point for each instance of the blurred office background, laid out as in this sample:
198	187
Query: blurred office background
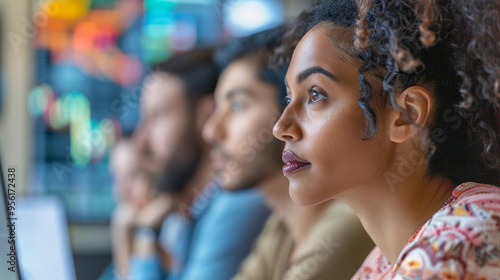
70	81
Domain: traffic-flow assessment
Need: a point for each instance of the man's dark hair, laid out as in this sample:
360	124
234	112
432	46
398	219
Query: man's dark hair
260	46
196	69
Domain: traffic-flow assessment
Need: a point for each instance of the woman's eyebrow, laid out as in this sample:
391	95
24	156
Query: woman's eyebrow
313	70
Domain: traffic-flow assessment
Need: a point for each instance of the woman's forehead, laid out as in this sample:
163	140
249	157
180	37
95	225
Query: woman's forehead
312	48
315	49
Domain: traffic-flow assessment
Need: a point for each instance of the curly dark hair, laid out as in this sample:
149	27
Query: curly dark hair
450	47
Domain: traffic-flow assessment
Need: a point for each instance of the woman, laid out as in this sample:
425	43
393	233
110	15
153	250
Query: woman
394	110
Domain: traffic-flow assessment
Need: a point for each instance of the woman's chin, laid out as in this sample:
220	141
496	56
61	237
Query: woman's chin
304	194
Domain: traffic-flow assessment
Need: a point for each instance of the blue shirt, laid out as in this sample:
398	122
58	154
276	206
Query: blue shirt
214	241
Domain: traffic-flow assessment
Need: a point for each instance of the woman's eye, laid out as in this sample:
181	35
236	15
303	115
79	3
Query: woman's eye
237	106
315	96
288	100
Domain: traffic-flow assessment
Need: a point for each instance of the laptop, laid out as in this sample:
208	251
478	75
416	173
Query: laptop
44	247
9	262
38	247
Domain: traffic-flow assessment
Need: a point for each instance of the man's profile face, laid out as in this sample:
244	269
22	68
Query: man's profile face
244	150
165	128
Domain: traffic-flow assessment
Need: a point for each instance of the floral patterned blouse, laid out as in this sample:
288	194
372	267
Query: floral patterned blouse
459	242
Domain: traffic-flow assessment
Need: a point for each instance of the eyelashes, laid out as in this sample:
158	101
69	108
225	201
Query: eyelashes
314	96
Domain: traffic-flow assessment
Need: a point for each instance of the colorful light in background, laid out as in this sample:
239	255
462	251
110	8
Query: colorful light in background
38	99
184	35
90	139
55	20
171	27
158	24
243	17
68	10
86	34
91	58
89	37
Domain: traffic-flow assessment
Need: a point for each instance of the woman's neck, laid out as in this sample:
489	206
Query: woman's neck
391	214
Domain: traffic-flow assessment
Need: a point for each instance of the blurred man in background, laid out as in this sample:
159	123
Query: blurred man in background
132	189
204	232
325	241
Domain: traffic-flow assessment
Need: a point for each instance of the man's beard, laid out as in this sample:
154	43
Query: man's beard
182	166
269	162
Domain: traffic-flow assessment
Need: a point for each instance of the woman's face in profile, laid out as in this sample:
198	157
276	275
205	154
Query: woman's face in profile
323	126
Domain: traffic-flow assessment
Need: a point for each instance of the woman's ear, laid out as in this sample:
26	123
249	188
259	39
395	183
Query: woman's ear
204	109
416	103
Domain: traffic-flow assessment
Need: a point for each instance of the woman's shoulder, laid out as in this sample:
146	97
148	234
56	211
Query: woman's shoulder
454	254
460	240
476	193
473	212
375	266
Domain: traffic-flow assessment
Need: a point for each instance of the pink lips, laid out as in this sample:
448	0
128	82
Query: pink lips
293	163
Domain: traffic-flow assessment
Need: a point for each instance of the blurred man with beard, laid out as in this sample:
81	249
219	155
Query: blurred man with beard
326	241
192	229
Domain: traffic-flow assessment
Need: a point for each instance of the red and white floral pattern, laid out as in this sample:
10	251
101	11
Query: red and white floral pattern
460	242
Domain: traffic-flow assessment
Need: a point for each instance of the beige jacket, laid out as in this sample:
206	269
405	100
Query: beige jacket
334	249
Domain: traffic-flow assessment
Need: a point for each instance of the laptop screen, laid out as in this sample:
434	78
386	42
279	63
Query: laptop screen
9	269
44	247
